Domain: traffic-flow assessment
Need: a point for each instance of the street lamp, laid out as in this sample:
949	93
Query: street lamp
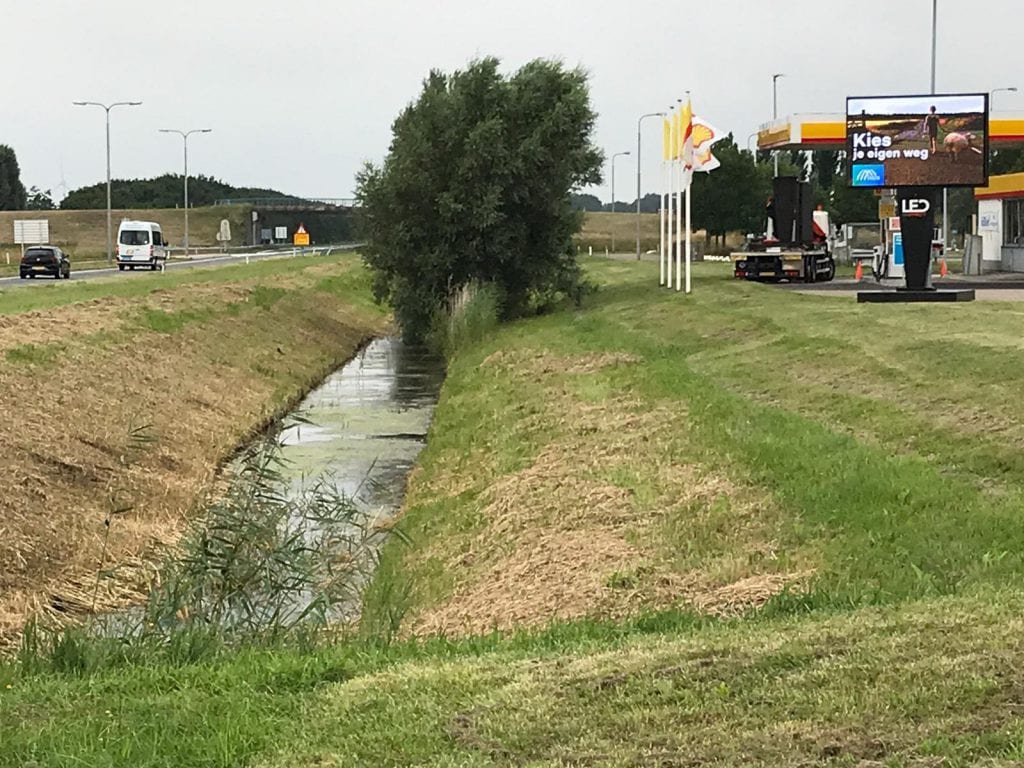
775	110
639	123
107	108
992	94
184	135
751	136
617	154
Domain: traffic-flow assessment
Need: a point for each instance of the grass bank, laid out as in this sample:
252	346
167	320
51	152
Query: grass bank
707	535
83	233
744	447
122	398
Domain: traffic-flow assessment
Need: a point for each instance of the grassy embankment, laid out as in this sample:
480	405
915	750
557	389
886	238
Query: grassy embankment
84	233
193	361
813	506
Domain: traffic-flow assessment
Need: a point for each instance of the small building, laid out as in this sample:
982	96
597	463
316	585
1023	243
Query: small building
1001	223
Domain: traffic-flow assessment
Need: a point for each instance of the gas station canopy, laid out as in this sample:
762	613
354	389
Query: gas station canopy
814	130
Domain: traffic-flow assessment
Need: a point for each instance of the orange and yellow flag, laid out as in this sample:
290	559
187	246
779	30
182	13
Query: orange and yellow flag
676	125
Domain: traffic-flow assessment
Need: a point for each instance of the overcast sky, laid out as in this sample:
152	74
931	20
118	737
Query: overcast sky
300	92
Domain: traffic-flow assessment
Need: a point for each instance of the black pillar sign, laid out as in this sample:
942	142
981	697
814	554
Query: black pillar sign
917	227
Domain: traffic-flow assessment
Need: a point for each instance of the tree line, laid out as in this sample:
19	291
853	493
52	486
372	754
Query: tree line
164	191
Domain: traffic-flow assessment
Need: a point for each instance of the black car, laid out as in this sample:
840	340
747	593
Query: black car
45	260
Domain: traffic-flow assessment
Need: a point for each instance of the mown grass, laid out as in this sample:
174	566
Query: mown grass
887	442
874	448
937	683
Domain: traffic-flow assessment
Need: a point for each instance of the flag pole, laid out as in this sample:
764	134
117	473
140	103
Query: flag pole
679	230
688	251
661	227
671	202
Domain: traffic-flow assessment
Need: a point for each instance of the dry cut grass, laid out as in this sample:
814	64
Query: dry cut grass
564	537
131	424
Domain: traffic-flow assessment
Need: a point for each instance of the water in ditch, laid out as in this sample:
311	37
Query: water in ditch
368	423
360	434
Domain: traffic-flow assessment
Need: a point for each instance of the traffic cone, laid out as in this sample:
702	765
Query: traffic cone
858	273
943	271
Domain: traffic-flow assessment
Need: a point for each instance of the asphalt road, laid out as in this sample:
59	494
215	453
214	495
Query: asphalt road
205	261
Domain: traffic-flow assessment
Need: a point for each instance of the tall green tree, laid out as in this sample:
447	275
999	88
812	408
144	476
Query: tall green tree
824	171
731	198
12	191
851	204
39	200
1006	160
476	186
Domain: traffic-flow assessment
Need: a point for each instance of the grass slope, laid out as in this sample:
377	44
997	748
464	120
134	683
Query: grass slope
125	396
84	232
742	446
713	540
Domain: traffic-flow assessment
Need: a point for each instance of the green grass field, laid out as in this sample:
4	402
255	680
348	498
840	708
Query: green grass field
744	527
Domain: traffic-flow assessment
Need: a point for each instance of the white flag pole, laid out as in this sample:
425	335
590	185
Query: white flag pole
661	208
679	229
671	225
688	235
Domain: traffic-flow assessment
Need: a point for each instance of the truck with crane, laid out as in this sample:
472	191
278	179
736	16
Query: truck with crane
797	244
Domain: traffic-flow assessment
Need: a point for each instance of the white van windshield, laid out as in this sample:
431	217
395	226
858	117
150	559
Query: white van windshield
134	237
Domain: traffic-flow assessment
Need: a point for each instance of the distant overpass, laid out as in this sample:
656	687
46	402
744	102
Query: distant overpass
297	204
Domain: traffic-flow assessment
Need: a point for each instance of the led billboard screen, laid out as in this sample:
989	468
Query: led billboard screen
917	141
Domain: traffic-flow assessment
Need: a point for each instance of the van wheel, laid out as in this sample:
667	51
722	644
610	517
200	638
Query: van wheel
120	267
131	267
152	267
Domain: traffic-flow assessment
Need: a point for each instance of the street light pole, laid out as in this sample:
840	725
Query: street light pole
945	190
994	91
184	135
107	108
639	123
935	29
775	111
617	154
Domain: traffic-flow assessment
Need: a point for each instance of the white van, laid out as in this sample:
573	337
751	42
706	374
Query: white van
140	244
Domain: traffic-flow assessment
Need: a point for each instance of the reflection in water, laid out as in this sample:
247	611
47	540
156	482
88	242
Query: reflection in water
368	423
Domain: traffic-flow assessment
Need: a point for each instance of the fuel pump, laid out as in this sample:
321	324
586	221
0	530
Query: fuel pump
889	262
